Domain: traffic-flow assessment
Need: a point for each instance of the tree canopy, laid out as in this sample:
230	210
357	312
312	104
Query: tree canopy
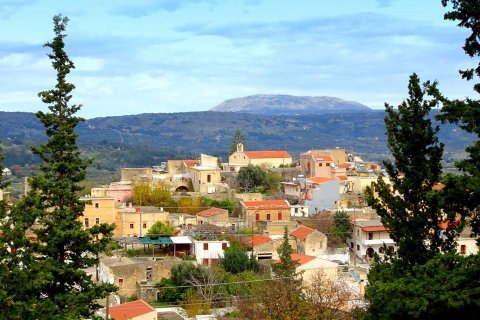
236	260
160	229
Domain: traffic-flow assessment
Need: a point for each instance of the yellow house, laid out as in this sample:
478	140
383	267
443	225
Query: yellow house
135	222
98	210
266	210
265	159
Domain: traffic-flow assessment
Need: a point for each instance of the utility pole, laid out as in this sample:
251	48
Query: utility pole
107	307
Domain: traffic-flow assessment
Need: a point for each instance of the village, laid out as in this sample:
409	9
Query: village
319	206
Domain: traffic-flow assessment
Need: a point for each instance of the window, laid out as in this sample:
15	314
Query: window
131	226
279	215
351	245
257	216
370	236
358	232
148	274
319	164
87	224
358	247
224	246
205	246
97	220
463	249
96	205
144	225
209	178
268	216
296	210
120	282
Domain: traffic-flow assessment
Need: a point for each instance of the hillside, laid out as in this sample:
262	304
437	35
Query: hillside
146	139
269	104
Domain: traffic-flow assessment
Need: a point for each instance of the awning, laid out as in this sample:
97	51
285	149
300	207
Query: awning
181	240
155	240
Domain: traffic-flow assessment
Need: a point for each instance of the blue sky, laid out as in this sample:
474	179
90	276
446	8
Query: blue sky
189	55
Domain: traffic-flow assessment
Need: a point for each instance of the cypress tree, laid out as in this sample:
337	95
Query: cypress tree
409	208
59	247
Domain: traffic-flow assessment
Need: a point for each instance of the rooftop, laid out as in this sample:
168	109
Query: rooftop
302	232
320	179
212	212
266	204
267	154
130	310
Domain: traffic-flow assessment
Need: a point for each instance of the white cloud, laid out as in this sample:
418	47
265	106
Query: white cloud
88	63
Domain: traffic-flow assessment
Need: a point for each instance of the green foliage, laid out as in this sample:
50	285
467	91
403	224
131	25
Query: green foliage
159	195
286	266
272	182
412	214
343	228
49	266
236	260
237	138
167	290
250	178
160	229
224	204
446	287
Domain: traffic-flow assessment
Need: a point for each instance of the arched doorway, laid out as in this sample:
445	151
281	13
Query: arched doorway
181	189
370	253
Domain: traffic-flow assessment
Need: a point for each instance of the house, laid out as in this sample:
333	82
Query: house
206	175
266	210
264	159
136	221
368	238
308	266
182	220
215	216
310	241
298	210
99	210
134	310
262	246
125	272
322	194
209	252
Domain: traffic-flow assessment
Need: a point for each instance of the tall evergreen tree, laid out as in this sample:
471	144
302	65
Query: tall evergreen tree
408	207
286	266
237	138
60	246
462	192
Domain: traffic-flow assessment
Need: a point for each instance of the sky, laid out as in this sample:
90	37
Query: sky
163	56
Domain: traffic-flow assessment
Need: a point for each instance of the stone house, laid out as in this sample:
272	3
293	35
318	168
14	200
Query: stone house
310	241
266	210
126	272
215	216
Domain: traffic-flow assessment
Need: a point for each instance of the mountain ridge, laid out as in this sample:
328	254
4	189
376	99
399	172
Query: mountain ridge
282	104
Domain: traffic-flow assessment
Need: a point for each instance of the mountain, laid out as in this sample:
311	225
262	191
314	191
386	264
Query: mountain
269	104
147	139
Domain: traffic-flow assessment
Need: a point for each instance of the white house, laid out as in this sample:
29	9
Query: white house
368	238
209	252
323	195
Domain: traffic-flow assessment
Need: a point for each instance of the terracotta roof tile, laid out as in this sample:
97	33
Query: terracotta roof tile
342	177
267	154
301	258
438	186
302	232
191	163
346	165
323	158
258	239
374	228
130	310
211	212
320	179
266	204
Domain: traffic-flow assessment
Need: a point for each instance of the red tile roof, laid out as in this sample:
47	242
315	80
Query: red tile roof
191	163
211	212
438	186
345	165
266	204
259	239
342	177
302	232
267	154
320	179
130	310
323	158
374	228
301	258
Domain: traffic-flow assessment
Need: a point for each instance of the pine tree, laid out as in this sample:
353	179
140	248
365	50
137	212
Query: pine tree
60	246
237	138
286	266
409	208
